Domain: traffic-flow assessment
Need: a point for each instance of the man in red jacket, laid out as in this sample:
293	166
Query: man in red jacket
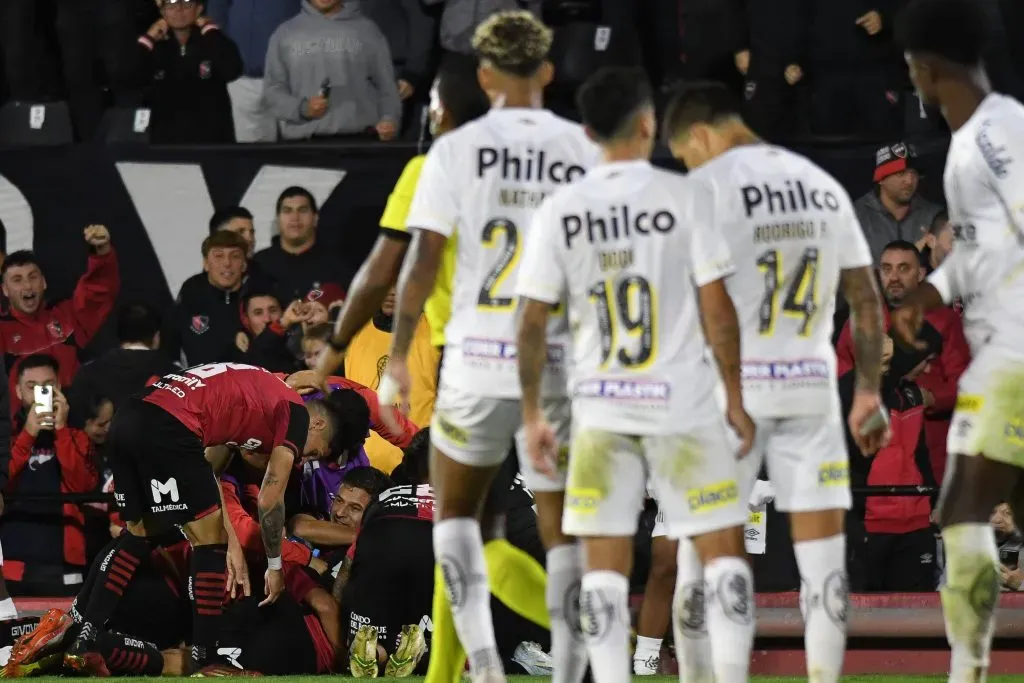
901	269
33	326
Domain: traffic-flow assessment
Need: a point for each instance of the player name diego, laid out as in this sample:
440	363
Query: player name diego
790	197
616	223
535	166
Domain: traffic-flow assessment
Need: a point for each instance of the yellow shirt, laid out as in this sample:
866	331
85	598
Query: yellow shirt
365	362
438	307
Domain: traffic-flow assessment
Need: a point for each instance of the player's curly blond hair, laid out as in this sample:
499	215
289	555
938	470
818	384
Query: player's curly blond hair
515	42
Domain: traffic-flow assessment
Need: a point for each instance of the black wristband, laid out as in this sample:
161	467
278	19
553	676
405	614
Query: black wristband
340	348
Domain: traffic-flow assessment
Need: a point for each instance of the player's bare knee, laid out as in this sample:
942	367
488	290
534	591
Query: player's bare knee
460	489
979	486
816	525
663	561
492	525
721	543
549	519
609	553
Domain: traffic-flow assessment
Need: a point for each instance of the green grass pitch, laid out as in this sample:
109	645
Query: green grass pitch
645	679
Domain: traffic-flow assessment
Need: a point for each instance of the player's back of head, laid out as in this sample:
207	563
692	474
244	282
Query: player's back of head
349	416
700	102
953	30
610	100
459	89
516	43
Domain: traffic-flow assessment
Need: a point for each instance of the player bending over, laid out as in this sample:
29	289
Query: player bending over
794	239
486	180
620	248
165	446
984	185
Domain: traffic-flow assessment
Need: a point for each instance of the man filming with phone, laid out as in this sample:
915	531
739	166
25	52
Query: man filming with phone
47	458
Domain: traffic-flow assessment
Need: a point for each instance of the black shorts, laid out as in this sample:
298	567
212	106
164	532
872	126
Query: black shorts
159	467
392	581
273	640
152	609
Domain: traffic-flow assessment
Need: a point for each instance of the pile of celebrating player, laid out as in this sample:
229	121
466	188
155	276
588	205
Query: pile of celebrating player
684	323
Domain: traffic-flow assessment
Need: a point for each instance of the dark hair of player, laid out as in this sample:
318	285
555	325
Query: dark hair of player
22	257
224	239
952	30
415	466
321	331
707	102
904	245
254	293
940	222
610	99
515	42
221	218
296	191
459	88
38	360
138	323
84	404
349	417
369	479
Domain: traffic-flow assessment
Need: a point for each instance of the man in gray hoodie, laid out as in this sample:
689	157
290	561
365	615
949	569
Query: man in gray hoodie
329	73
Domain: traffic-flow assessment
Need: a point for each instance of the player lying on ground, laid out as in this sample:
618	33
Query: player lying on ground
944	43
794	240
646	294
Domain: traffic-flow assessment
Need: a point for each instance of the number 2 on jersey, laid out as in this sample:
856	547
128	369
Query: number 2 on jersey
615	308
801	296
507	259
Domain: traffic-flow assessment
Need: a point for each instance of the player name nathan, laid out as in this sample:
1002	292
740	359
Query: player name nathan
623	390
496	349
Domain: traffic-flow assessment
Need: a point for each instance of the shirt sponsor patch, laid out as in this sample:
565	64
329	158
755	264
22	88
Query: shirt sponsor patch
713	497
658	392
582	501
496	349
833	474
969	403
795	370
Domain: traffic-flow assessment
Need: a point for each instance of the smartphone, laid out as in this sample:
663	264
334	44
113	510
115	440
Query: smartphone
43	397
325	89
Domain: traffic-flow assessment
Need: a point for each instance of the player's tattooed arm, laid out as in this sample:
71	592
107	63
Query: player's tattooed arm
341	580
271	500
416	282
867	326
722	330
531	349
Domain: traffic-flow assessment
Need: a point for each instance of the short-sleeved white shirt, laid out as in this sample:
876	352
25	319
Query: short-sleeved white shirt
486	179
618	246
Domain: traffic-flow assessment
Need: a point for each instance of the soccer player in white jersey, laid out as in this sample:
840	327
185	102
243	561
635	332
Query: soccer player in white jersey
640	281
486	180
795	240
943	42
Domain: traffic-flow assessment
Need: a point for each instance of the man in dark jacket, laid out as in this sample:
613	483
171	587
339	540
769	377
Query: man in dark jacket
188	64
207	316
121	372
265	339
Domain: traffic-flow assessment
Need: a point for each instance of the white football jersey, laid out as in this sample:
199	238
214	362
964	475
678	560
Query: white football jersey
486	180
791	229
984	184
617	245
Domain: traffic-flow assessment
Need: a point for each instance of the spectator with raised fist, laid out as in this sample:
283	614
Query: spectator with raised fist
187	63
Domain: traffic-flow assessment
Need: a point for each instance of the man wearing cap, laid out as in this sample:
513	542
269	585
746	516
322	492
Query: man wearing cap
893	210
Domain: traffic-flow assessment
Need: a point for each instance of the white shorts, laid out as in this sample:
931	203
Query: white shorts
478	431
989	415
807	462
694	475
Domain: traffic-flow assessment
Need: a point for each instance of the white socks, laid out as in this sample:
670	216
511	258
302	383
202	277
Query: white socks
689	617
824	595
969	598
8	610
730	615
647	656
568	651
604	617
459	550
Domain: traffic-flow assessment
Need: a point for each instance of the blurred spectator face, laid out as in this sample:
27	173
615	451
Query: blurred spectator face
941	243
297	220
388	307
326	6
24	286
900	187
180	14
348	506
318	314
312	350
98	426
262	311
32	378
225	266
901	273
1002	519
243	227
